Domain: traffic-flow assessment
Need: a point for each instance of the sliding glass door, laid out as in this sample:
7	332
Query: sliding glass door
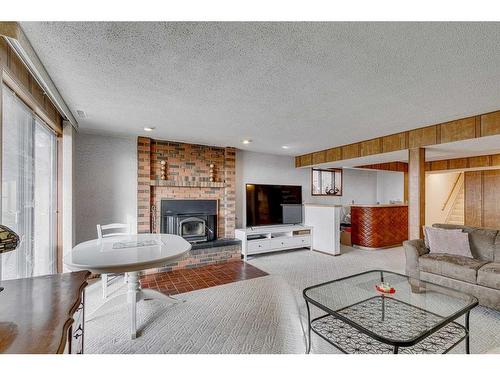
29	204
45	200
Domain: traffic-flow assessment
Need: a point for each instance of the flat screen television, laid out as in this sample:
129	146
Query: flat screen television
273	204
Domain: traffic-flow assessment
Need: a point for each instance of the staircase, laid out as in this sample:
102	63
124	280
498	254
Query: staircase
456	214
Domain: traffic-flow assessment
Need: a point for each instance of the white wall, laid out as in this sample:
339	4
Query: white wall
259	168
359	186
437	188
390	186
105	182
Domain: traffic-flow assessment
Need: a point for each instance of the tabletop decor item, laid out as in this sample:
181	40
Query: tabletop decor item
163	169
9	241
212	172
385	288
133	244
326	182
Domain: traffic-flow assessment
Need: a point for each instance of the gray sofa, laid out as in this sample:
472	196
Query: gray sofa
479	276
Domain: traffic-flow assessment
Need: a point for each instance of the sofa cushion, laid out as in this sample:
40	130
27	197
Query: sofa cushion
481	240
497	248
453	266
489	275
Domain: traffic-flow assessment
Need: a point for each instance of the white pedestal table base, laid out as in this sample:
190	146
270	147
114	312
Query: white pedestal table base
133	295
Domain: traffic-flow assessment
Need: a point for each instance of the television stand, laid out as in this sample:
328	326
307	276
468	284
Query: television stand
259	240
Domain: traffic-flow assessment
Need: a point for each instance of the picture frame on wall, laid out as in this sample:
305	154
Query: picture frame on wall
326	182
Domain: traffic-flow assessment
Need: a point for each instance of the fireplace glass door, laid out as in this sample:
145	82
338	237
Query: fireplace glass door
192	228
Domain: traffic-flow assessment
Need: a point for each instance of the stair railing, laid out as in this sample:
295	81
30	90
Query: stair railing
450	194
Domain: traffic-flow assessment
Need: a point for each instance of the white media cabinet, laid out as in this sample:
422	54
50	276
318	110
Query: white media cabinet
258	240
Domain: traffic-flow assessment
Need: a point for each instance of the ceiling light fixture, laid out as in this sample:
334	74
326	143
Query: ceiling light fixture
81	113
149	129
285	147
246	141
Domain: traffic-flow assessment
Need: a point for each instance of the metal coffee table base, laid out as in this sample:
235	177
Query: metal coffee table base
345	337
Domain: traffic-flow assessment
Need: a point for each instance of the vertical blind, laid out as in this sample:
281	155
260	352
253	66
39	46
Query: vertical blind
29	196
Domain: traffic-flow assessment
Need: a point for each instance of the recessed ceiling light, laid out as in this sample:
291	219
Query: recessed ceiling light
246	141
285	147
148	129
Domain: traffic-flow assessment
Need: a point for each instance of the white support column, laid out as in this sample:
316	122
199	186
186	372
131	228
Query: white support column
416	192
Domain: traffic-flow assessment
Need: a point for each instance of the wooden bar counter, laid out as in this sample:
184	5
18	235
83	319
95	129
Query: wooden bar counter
379	226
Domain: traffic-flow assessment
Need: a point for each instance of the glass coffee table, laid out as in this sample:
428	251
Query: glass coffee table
418	317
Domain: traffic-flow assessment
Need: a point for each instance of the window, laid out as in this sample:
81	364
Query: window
327	182
29	197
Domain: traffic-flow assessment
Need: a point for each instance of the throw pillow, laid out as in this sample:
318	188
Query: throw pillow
426	235
450	241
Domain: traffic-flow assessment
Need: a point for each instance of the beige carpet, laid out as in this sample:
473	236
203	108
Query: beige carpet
263	315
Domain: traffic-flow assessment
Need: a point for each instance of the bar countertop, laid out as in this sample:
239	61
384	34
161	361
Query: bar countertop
355	205
379	205
322	205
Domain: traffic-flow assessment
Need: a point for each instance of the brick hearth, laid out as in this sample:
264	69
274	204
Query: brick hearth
186	280
202	254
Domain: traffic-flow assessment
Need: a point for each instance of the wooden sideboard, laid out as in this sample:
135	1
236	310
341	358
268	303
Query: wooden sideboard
43	315
379	226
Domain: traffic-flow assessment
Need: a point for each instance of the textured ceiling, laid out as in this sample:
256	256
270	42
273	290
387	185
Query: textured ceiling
306	85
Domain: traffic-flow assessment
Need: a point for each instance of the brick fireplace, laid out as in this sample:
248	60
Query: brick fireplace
187	175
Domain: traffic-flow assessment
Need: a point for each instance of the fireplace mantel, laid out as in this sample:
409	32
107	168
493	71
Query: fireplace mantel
176	183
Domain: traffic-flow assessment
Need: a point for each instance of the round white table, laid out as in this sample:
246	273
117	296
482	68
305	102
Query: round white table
129	254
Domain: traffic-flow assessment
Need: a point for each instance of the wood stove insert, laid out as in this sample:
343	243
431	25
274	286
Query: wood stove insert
193	219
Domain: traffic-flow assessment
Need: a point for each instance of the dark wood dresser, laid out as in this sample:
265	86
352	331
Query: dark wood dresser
43	315
379	226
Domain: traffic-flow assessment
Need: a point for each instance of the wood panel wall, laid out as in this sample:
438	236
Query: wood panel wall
395	166
466	128
482	198
483	161
491	198
15	75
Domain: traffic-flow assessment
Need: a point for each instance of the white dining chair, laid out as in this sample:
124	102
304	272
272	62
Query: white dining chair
109	230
